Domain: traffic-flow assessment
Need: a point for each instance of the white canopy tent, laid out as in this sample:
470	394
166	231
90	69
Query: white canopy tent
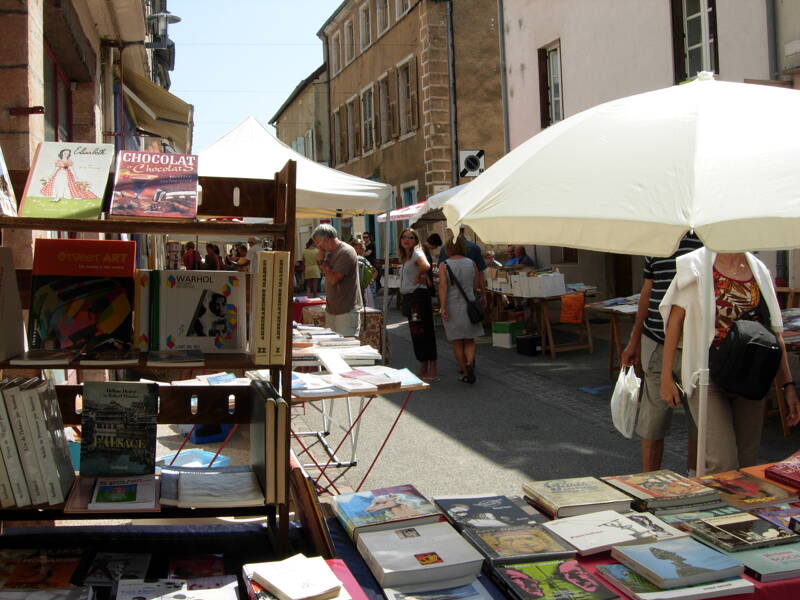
250	151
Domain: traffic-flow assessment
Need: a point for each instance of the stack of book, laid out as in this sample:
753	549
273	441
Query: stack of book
664	492
786	471
746	492
574	496
301	578
554	579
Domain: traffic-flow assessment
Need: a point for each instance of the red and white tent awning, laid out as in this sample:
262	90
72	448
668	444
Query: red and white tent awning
411	212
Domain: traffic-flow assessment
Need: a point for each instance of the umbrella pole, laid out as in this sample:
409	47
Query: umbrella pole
702	421
386	275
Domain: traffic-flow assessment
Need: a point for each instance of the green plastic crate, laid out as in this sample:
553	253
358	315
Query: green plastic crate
513	327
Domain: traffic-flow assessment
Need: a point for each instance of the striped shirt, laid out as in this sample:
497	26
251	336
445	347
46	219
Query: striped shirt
662	271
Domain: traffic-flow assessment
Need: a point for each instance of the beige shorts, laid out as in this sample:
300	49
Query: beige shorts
347	324
654	415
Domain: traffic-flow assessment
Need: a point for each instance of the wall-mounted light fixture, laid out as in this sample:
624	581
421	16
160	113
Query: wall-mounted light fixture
161	22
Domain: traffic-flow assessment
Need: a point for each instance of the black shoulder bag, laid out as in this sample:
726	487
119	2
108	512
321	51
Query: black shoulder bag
747	360
475	311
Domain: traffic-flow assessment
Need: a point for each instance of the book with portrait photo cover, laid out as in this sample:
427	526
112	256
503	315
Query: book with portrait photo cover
488	512
742	531
201	310
550	579
677	563
521	544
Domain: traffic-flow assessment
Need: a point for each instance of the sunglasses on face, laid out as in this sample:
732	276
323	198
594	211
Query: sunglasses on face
408	237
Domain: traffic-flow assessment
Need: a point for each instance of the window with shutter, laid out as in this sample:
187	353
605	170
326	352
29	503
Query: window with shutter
377	114
356	104
367	107
394	116
404	97
351	131
413	94
550	92
694	37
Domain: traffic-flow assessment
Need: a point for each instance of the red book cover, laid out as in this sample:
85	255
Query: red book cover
152	185
786	471
81	294
344	575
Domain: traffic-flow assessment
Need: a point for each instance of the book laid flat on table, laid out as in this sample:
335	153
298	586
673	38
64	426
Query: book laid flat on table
786	471
67	180
201	310
384	508
175	358
740	532
38	569
159	589
192	566
220	488
553	579
639	588
575	496
125	493
296	578
596	532
662	488
473	590
522	544
679	520
677	563
107	568
772	563
780	514
118	425
413	557
154	185
81	294
746	492
487	512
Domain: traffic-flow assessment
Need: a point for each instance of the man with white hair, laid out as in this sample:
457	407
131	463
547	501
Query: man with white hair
342	287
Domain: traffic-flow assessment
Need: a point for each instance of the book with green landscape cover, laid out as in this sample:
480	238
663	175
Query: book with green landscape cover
639	588
550	580
518	544
118	425
741	531
575	496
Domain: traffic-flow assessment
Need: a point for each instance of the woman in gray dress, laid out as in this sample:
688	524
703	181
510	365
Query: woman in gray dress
459	329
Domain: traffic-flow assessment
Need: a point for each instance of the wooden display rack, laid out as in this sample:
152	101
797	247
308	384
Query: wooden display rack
221	197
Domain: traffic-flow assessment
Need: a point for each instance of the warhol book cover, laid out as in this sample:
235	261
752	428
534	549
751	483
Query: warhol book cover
81	295
155	185
202	310
485	512
8	201
118	427
38	569
67	181
741	531
383	506
565	579
746	492
518	544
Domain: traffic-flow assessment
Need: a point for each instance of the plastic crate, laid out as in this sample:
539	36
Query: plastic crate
515	328
193	457
529	345
207	434
502	340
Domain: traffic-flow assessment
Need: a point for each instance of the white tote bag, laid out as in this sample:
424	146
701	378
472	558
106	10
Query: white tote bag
625	401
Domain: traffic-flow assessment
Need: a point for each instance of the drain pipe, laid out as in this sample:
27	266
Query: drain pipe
503	75
451	76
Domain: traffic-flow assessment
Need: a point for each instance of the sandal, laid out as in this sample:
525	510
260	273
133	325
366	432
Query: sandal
463	379
470	376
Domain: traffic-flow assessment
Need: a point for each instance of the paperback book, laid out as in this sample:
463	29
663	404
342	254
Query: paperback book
219	489
639	588
81	295
159	589
772	563
679	520
746	492
413	557
192	566
8	201
677	563
552	579
597	532
107	568
575	496
473	590
67	181
38	568
384	508
9	450
779	515
663	488
118	426
17	410
125	493
786	471
152	185
487	512
742	531
296	578
201	310
522	544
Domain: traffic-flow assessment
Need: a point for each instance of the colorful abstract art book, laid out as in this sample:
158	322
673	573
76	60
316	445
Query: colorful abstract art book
553	579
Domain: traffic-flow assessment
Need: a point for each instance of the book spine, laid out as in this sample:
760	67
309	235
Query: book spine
55	427
13	464
141	330
155	285
27	453
280	308
261	308
12	340
6	492
42	445
281	455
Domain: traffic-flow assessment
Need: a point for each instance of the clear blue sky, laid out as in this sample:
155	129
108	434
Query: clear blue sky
242	57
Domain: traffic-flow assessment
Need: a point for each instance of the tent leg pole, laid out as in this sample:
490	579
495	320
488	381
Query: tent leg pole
386	238
702	422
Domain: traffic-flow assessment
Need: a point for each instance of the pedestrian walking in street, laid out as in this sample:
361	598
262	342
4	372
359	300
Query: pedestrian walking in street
311	272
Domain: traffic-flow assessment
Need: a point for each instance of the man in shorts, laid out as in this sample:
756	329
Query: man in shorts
342	287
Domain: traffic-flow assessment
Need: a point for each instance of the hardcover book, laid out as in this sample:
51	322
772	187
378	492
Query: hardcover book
107	568
261	304
677	563
12	342
522	544
487	512
118	426
786	471
575	496
152	185
746	492
779	515
551	580
9	450
202	310
679	520
67	181
8	201
81	294
413	557
16	408
597	532
195	565
384	508
38	569
639	588
772	563
740	532
473	590
662	488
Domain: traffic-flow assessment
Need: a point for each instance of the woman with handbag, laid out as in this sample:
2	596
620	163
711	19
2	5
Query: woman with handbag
740	286
416	303
458	278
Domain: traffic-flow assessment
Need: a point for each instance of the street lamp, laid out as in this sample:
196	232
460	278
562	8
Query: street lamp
160	21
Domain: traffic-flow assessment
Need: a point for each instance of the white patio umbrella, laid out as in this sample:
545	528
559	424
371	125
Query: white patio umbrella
634	175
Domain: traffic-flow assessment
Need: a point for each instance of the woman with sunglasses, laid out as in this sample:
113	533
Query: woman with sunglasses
417	297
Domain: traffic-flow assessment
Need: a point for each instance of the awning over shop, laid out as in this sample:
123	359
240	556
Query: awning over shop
157	112
406	213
